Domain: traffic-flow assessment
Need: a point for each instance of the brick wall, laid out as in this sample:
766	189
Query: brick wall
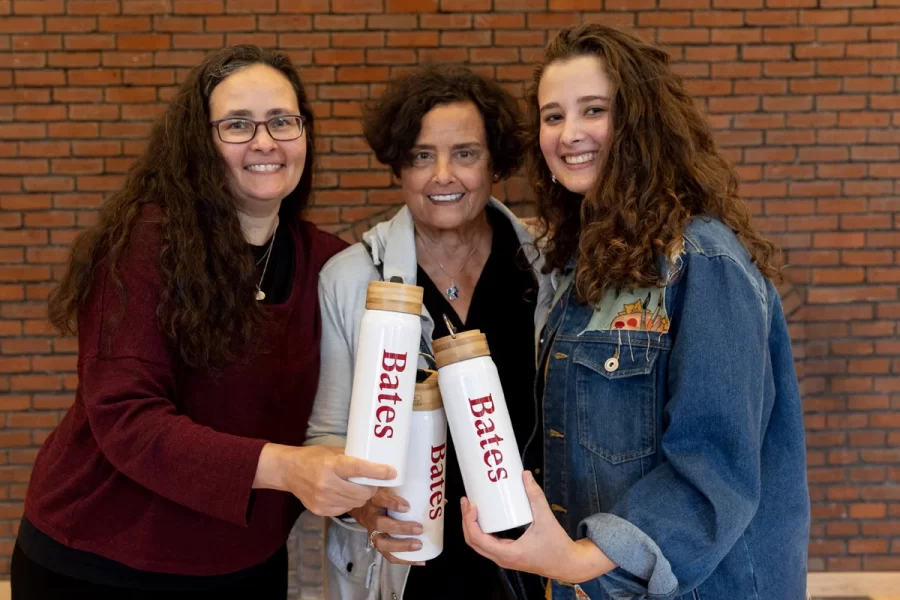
802	93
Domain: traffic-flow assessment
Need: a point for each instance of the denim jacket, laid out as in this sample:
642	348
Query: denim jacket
673	432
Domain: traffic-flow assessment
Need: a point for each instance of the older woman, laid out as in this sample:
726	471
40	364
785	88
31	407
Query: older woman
176	473
448	135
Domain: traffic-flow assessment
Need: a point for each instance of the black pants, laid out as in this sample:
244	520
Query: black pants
31	581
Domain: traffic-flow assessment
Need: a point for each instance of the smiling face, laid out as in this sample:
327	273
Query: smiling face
263	171
574	97
448	181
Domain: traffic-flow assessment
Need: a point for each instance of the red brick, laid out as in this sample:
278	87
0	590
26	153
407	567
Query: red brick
405	6
202	7
251	6
465	5
551	20
445	21
842	34
498	21
357	6
878	15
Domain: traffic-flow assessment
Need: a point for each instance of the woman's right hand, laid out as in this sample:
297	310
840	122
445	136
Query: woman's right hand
372	515
317	475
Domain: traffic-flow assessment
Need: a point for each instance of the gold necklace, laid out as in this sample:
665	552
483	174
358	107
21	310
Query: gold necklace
261	295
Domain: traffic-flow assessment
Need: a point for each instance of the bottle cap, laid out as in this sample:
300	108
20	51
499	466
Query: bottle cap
395	297
428	394
466	345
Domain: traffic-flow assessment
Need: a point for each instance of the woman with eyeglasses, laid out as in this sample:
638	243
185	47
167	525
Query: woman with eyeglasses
177	472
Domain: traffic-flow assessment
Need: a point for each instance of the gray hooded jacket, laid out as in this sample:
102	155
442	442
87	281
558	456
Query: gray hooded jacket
355	570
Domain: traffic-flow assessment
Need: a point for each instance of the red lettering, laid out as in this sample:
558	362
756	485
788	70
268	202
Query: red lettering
438	453
390	361
394	398
496	455
385	414
498	475
483	427
480	407
398	361
486	403
494	440
387	383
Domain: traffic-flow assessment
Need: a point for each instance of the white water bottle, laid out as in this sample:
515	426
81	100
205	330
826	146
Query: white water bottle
423	489
384	378
486	448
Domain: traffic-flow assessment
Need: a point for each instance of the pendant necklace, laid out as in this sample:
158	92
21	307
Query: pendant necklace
452	291
261	295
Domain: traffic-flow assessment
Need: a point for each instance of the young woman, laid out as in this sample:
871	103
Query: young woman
674	456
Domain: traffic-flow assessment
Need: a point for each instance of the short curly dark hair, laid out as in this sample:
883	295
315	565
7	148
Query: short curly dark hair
392	123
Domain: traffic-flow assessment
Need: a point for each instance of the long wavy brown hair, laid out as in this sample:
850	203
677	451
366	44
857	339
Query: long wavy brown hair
661	168
208	275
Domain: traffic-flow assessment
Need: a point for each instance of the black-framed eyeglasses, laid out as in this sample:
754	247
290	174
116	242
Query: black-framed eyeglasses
237	130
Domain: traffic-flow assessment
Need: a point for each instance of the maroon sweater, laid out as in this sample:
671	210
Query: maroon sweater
153	464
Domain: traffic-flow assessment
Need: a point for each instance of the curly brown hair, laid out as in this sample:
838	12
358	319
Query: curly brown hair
392	123
202	243
661	167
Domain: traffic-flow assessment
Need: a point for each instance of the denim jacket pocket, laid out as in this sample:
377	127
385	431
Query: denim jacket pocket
616	394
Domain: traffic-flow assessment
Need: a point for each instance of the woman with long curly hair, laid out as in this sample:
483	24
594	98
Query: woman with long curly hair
177	472
673	434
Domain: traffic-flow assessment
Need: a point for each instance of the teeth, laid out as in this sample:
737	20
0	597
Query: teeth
580	158
446	197
263	168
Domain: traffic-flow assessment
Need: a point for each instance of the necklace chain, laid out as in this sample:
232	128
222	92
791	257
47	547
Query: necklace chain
261	295
452	292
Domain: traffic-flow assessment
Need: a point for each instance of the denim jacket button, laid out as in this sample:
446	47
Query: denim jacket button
611	365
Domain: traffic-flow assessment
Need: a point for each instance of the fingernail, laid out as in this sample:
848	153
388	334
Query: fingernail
419	564
404	507
417	545
418	529
529	476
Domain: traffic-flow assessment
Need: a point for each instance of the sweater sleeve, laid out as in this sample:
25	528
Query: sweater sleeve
129	386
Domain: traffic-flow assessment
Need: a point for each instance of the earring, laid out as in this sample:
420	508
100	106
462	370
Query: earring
496	177
553	178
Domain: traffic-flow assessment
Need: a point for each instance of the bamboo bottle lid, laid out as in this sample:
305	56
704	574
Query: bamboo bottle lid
428	394
466	345
395	297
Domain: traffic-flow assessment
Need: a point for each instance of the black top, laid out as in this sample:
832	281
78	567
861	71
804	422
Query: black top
279	274
50	554
502	307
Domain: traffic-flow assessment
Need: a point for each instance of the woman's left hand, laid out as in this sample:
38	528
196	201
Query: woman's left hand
544	549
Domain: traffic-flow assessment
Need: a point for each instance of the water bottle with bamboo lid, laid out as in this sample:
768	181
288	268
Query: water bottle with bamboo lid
423	489
384	378
486	447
